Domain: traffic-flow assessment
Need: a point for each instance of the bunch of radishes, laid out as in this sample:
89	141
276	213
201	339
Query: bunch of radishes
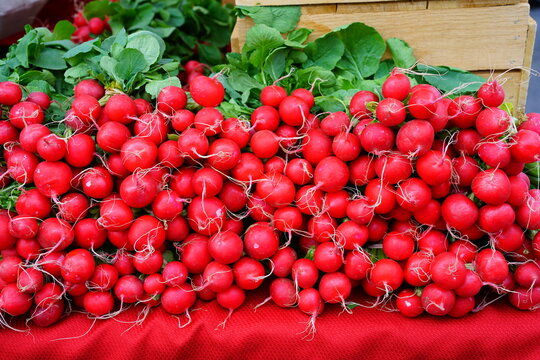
416	200
86	29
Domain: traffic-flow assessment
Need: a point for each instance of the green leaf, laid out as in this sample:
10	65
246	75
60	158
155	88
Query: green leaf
109	64
99	9
149	44
145	14
22	51
242	82
299	35
33	75
154	87
330	103
282	18
39	85
262	39
229	109
63	30
130	63
275	64
305	78
508	107
401	52
50	58
447	79
385	67
209	54
75	73
364	48
325	52
83	48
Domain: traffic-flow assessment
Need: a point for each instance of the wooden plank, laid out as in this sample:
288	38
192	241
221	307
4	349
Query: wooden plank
525	74
306	2
318	9
382	6
471	38
452	4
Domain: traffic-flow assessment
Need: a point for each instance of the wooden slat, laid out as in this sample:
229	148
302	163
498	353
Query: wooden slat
305	2
319	9
452	4
471	38
525	74
382	6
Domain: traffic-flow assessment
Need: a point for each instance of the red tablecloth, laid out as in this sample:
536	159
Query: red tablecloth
498	332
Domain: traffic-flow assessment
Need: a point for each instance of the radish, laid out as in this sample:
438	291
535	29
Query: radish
40	98
129	289
31	134
351	236
78	266
491	94
51	147
309	200
413	194
322	228
361	170
358	104
56	234
288	219
278	190
528	214
448	271
224	154
88	235
293	110
531	123
207	182
53	178
462	306
80	150
104	277
232	298
264	144
299	171
248	273
491	266
146	233
7	240
464	110
30	280
377	229
137	153
422	103
13	301
21	165
416	271
415	138
335	123
49	294
526	146
336	203
398	246
527	275
360	211
283	261
459	211
377	138
21	226
121	108
396	86
86	108
225	247
386	275
357	264
207	92
123	262
169	155
331	174
467	141
148	261
494	218
492	122
434	167
409	303
235	130
393	168
208	120
429	214
52	262
153	285
346	146
89	87
261	241
328	257
283	293
265	118
177	229
25	113
525	299
10	93
178	300
8	132
138	191
471	285
439	119
182	119
98	303
509	239
466	168
115	214
195	253
495	154
491	186
304	273
218	277
171	99
437	300
391	112
206	215
335	287
464	250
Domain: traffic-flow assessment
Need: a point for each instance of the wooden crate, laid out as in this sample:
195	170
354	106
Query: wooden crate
482	36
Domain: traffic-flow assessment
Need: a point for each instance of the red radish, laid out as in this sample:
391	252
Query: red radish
293	110
104	277
283	293
153	284
471	286
8	132
409	303
248	273
335	123
464	250
437	300
459	211
494	218
40	98
97	183
283	261
30	280
89	235
225	247
49	294
138	153
207	92
491	266
28	249
466	169
361	170
525	299
346	146
80	150
304	273
397	86
21	166
78	266
380	196
31	134
123	262
358	104
495	154
429	214
121	108
351	236
233	196
528	214
22	226
527	275
322	227
89	87
464	110
434	167
55	233
491	186
360	211
218	277
310	302
432	241
440	118
357	264
305	95
316	145
398	246
151	127
138	191
169	155
13	301
448	271
146	233
377	229
171	99
416	271
167	205
288	219
206	215
51	147
182	119
208	120
207	182
115	214
7	240
25	113
193	143
491	94
492	122
249	168
413	194
393	168
223	154
264	144
273	95
265	118
386	274
422	103
86	108
415	137
331	174
10	93
129	289
391	112
328	257
258	209
195	254
532	123
526	146
299	171
509	239
232	298
462	306
235	130
467	141
261	241
177	229
335	287
336	203
148	261
98	303
377	138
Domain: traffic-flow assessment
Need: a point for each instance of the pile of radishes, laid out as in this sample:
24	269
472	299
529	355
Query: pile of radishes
414	202
87	29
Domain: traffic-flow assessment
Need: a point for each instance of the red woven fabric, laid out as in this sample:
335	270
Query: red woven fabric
498	332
